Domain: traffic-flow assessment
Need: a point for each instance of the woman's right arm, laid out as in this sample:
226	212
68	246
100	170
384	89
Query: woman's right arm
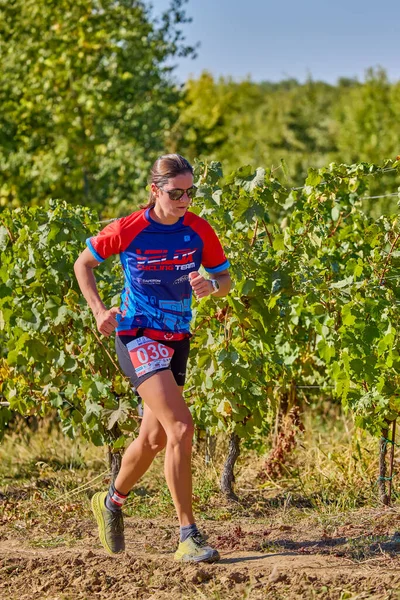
105	318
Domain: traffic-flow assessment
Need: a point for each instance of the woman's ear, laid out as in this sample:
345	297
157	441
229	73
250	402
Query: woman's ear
154	189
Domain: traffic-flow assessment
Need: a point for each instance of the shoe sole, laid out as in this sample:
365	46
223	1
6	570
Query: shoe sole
210	559
95	502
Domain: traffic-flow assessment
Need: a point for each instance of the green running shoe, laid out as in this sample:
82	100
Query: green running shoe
195	549
111	524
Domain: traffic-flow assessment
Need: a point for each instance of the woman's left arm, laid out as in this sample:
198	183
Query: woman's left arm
203	287
224	282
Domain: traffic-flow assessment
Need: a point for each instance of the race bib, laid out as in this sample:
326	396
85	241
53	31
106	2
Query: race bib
148	355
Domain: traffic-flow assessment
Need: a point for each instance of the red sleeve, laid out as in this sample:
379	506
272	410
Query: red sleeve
117	236
213	256
107	242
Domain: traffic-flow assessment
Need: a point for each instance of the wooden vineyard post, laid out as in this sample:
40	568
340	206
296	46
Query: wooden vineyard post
114	461
382	467
114	456
385	498
391	462
228	477
211	444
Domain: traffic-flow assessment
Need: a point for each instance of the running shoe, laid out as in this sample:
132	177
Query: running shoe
110	523
195	549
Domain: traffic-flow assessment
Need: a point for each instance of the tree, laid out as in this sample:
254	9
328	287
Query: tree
366	119
249	123
293	124
86	96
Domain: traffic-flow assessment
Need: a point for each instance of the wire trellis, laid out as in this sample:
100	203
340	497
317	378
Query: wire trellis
362	198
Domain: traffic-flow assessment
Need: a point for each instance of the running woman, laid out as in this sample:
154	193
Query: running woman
161	248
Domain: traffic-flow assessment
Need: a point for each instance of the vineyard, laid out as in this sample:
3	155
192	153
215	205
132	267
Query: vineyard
312	317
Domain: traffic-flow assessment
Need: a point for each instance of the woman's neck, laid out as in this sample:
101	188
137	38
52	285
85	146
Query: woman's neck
159	217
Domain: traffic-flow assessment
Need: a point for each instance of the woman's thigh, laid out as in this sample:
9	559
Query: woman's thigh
164	397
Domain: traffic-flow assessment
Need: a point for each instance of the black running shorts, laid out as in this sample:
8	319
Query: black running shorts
140	357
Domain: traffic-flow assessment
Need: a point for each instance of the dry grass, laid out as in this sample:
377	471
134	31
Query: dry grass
324	506
333	470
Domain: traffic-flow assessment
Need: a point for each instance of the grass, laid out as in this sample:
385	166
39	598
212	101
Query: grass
332	471
324	504
53	542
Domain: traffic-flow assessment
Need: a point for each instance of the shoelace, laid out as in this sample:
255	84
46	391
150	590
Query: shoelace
199	539
117	522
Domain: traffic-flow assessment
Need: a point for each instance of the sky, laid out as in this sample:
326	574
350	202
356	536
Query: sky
269	40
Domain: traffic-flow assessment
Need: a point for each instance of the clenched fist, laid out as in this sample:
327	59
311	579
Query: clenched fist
106	321
201	287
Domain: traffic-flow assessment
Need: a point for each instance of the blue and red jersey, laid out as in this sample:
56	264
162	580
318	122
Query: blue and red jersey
156	260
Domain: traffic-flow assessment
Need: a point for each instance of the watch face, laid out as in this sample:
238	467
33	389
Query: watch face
215	285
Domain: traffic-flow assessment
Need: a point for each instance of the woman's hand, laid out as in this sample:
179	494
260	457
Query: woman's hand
106	321
201	287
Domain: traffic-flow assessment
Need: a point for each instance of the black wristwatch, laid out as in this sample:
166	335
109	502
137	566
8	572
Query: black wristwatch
215	285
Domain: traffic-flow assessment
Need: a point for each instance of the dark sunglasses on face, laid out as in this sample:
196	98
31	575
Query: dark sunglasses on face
177	193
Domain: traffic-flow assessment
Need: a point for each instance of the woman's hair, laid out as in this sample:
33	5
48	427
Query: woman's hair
166	167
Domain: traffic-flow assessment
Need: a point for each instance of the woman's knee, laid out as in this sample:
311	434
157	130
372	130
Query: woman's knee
181	432
154	442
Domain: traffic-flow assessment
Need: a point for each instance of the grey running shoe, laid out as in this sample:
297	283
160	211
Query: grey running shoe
195	549
111	524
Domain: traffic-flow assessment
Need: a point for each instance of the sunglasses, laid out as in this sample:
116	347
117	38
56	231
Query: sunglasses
178	193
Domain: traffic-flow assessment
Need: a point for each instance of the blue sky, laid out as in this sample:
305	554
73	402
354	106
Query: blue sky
273	40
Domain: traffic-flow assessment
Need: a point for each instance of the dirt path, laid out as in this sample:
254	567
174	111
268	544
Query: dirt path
293	564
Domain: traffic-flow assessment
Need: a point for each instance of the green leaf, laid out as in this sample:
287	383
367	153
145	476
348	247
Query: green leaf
342	283
119	443
4	238
248	180
313	178
279	242
62	315
119	415
335	213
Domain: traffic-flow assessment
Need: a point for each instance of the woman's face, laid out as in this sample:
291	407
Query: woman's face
165	204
